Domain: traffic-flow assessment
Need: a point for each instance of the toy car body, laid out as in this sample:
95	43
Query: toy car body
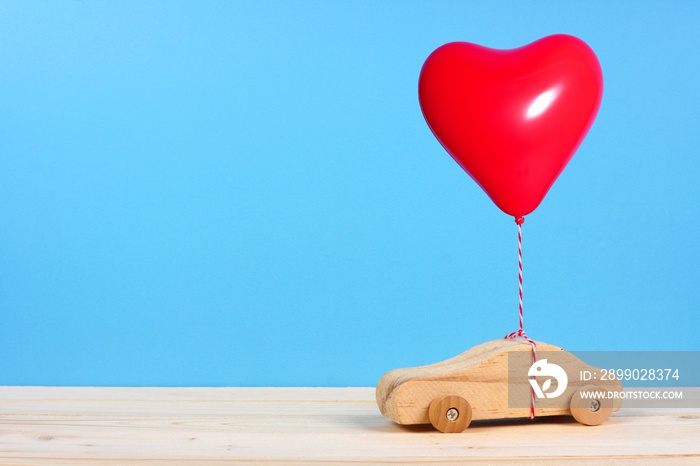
490	381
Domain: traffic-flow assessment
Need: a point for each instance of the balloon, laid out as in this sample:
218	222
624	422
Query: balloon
512	119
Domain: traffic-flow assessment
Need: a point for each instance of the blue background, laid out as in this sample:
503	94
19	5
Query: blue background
246	193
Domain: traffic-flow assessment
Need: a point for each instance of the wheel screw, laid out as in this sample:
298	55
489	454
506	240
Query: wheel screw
594	406
452	414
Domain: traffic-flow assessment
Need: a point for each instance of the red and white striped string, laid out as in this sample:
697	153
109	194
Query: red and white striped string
520	333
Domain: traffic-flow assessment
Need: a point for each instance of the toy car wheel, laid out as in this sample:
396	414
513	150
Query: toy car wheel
450	414
589	410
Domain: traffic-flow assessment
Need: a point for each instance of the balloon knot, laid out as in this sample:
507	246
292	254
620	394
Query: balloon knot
519	220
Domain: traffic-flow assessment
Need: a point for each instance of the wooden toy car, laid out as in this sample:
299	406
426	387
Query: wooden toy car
475	385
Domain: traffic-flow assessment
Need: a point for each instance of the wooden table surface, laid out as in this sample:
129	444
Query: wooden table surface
212	426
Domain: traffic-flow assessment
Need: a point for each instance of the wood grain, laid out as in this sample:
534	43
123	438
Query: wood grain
216	426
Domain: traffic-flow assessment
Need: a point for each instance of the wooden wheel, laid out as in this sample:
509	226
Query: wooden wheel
450	414
591	411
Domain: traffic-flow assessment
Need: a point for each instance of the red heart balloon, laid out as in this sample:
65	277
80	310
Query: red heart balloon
512	119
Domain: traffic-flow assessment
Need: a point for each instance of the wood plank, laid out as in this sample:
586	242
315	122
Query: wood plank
211	426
